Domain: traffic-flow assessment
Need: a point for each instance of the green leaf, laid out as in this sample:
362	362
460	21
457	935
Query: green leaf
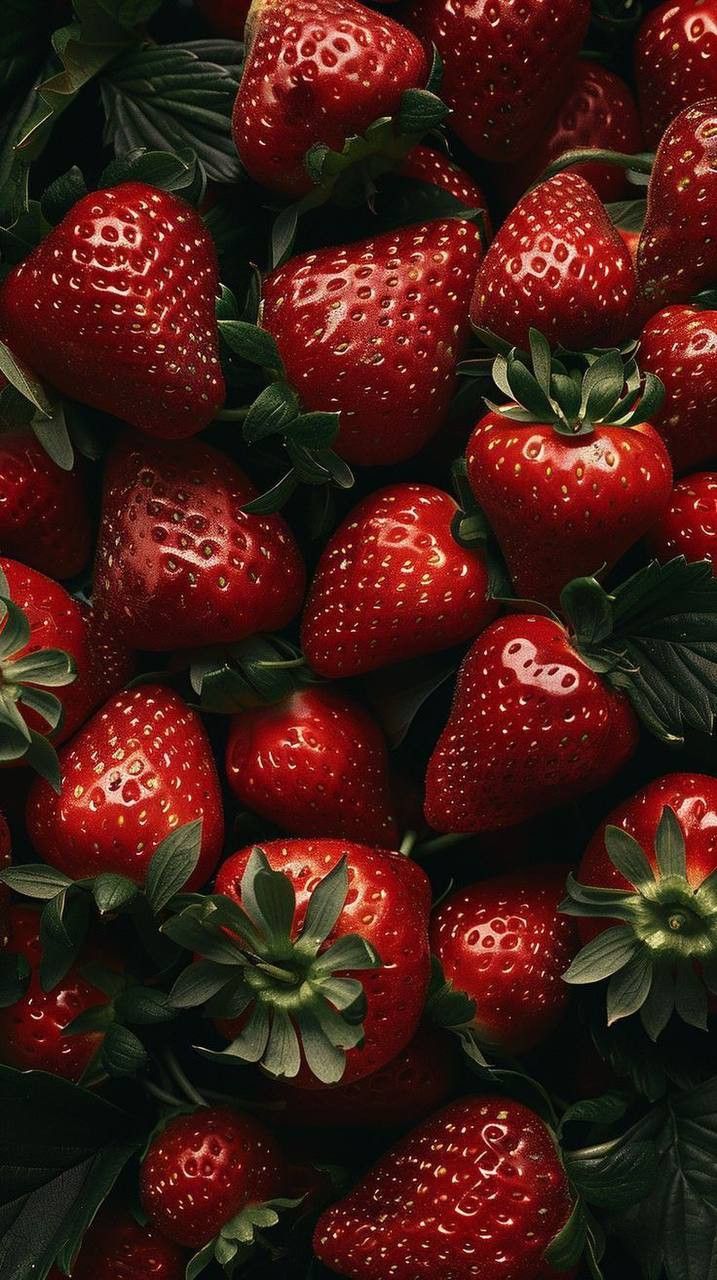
273	412
54	436
62	194
35	880
325	906
604	1110
603	956
315	430
324	1060
588	610
670	845
282	1056
275	901
144	1006
566	1249
200	1261
129	13
123	1053
24	381
658	1006
621	1175
628	989
197	983
602	386
628	858
420	111
112	892
63	928
691	996
173	864
14	978
251	343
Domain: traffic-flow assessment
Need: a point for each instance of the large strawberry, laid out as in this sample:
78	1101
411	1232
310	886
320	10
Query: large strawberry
476	1190
644	900
117	1247
394	583
373	331
115	307
675	61
558	265
689	526
297	914
679	346
569	473
179	563
138	770
503	942
44	514
316	765
504	66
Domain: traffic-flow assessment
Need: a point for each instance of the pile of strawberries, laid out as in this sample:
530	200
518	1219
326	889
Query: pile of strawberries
358	639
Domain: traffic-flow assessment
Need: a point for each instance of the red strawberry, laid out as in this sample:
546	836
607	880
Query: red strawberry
679	345
179	564
689	527
316	765
115	307
504	66
44	516
427	165
317	72
393	583
477	1190
139	769
557	265
503	942
116	1247
374	330
204	1169
675	61
225	17
111	667
32	1031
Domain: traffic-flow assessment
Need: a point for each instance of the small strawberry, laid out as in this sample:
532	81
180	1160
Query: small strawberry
394	583
427	165
570	474
139	769
116	1247
504	66
675	61
44	515
225	17
557	264
179	563
679	346
115	307
476	1190
689	526
315	764
503	943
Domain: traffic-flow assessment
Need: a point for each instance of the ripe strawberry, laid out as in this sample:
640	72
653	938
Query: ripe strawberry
393	583
428	165
675	61
580	477
32	1031
503	942
317	73
315	764
374	330
486	1160
504	66
689	526
225	17
179	563
116	1247
112	665
557	265
44	516
115	307
679	346
140	768
204	1169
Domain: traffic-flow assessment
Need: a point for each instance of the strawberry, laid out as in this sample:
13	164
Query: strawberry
427	165
111	665
116	1247
504	66
679	346
225	17
140	768
374	330
178	561
44	515
558	265
318	72
689	526
578	478
650	864
205	1170
503	943
393	583
315	764
115	307
482	1160
675	61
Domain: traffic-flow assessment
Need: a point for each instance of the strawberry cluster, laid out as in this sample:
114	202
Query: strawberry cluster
358	639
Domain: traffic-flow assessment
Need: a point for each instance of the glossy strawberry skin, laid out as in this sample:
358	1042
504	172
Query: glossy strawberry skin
116	1247
203	1169
562	507
387	904
115	307
679	345
477	1190
558	265
427	165
393	584
140	768
225	17
675	61
178	561
531	727
503	942
315	764
317	71
32	1030
112	665
44	515
504	66
374	330
689	526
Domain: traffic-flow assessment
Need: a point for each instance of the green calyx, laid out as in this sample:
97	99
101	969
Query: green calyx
662	958
259	671
239	1237
291	993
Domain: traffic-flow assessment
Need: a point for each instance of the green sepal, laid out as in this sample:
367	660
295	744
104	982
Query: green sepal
567	1247
260	670
173	864
15	976
239	1237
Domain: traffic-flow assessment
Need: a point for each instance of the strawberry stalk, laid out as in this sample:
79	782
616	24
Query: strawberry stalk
640	163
